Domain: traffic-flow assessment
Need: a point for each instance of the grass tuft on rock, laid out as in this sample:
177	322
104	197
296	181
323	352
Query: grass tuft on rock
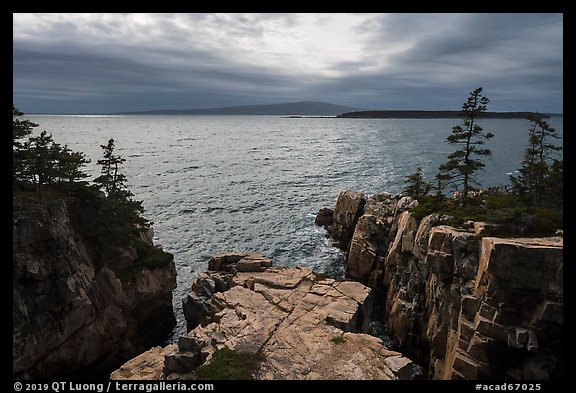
227	364
338	340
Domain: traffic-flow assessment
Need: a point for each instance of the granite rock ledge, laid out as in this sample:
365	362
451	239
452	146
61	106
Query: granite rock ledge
307	326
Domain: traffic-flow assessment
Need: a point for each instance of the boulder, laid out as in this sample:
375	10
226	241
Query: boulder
366	251
324	218
146	366
349	207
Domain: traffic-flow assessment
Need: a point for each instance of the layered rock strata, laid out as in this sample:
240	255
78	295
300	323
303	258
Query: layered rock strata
462	305
75	315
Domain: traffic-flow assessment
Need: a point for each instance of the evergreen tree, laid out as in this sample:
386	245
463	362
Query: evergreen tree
47	162
40	160
462	165
441	180
69	165
416	185
554	186
533	183
120	216
110	180
20	129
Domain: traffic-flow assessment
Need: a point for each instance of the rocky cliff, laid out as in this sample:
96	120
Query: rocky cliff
75	315
301	325
462	305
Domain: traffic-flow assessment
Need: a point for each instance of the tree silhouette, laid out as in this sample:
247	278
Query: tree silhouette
538	163
20	129
120	216
462	165
416	185
40	160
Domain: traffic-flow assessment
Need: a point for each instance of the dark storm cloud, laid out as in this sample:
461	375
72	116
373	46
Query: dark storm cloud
110	62
516	57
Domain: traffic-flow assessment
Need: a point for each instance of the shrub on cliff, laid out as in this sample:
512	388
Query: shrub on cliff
150	256
494	205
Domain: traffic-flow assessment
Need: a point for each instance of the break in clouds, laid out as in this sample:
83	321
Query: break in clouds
98	63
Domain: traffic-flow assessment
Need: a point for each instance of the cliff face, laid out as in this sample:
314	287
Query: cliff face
459	304
74	315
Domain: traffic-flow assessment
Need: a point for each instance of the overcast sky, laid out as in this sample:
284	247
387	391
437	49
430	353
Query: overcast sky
99	63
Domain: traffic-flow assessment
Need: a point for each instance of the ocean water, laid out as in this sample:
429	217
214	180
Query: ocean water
254	183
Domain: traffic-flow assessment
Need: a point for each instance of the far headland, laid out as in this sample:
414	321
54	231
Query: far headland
324	109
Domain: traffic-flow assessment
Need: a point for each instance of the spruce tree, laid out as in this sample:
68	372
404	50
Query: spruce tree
441	180
111	180
532	183
69	165
462	165
40	160
20	129
416	185
45	162
554	186
120	215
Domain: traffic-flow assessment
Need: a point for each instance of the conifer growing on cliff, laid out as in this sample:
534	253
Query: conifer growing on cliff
539	165
40	161
462	165
416	185
120	216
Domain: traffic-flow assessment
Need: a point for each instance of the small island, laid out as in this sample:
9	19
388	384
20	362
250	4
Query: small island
420	114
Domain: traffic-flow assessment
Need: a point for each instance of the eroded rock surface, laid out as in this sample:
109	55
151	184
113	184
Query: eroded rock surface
305	325
146	366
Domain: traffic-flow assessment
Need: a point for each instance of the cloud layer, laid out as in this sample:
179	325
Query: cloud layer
95	63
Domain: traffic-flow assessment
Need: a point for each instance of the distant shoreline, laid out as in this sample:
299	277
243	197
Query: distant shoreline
393	114
311	109
385	114
420	114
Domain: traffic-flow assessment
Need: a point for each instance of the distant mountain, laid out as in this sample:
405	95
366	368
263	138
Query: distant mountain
301	108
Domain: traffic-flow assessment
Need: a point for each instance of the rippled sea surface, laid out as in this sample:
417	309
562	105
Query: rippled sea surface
255	183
